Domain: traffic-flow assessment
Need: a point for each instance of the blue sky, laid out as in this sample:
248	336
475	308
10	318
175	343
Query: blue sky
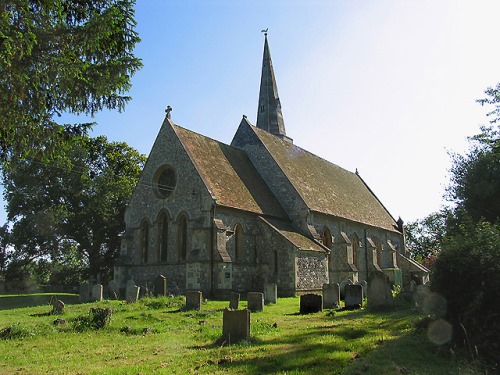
384	86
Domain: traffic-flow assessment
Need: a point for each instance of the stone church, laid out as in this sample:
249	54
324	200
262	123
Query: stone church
220	218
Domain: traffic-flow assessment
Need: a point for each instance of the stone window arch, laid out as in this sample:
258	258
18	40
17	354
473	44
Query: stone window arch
355	250
326	238
238	242
144	241
182	237
378	250
162	237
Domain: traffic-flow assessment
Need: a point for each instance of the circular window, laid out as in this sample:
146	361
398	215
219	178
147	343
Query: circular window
164	182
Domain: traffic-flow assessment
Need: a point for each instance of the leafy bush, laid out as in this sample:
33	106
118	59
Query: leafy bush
467	274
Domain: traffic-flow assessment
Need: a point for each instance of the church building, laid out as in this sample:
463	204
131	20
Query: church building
219	218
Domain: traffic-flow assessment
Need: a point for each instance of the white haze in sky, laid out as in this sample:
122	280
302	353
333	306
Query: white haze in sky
386	87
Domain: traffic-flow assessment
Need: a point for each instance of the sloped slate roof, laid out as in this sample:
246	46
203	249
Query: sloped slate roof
300	241
229	175
324	186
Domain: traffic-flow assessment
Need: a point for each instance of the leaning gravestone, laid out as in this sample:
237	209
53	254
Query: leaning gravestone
132	293
255	301
58	307
97	292
270	293
311	303
379	291
235	325
353	296
331	296
193	300
84	292
160	288
234	301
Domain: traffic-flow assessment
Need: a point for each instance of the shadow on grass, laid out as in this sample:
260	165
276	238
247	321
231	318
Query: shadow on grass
333	347
8	302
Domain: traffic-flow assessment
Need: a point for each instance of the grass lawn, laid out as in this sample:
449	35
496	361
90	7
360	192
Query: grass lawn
155	335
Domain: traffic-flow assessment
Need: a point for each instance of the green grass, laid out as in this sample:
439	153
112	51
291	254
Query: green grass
158	336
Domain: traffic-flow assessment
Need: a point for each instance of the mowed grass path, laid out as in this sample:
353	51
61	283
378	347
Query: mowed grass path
155	335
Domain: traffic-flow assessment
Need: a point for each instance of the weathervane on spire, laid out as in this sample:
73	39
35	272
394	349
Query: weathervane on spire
264	31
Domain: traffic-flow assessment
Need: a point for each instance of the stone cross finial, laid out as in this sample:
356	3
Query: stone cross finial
168	110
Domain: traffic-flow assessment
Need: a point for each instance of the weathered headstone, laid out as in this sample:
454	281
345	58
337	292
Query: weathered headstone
132	293
364	284
84	292
234	301
379	291
255	301
58	307
331	296
160	288
113	290
193	300
353	296
343	284
97	292
235	325
270	293
311	303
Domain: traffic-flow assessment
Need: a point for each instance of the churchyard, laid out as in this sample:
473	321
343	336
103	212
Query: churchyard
159	335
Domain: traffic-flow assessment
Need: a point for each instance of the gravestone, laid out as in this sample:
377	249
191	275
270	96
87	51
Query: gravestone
379	291
255	301
311	303
235	325
132	293
58	307
113	290
193	300
364	284
160	288
353	296
331	296
84	292
97	292
270	293
234	301
343	284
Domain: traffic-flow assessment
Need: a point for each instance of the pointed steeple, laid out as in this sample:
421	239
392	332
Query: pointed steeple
269	116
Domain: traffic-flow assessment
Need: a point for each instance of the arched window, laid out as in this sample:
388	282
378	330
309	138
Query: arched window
355	250
162	237
182	237
378	247
238	242
144	241
327	238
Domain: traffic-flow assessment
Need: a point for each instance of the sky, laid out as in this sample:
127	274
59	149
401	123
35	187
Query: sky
387	87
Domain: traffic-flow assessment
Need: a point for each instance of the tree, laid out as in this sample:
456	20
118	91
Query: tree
424	236
76	200
467	274
60	57
492	98
475	180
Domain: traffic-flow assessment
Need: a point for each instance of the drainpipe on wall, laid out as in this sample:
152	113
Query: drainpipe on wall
213	246
366	256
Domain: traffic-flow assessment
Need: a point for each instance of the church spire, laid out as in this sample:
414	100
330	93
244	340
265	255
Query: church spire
269	116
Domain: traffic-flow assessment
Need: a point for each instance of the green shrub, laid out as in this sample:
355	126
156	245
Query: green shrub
15	331
467	274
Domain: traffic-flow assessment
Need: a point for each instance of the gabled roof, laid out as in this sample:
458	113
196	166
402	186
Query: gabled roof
300	241
324	186
229	175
